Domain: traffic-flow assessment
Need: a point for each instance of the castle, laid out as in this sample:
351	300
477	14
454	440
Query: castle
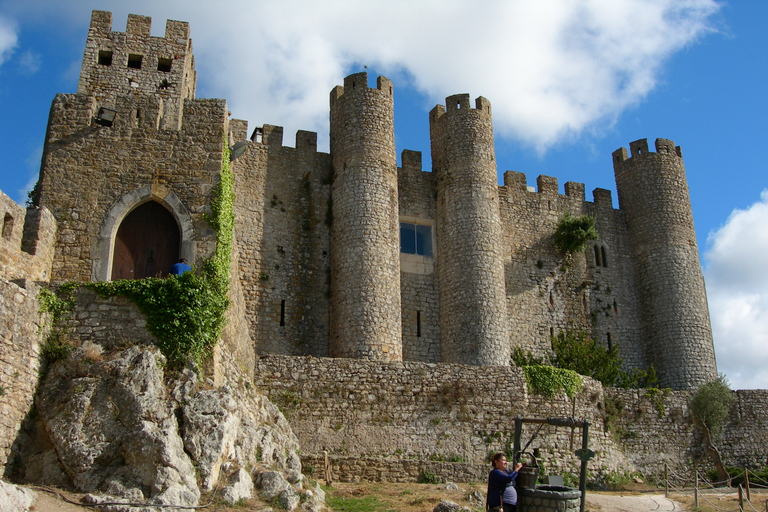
348	255
377	305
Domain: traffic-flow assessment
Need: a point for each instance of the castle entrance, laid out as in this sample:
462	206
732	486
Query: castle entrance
147	243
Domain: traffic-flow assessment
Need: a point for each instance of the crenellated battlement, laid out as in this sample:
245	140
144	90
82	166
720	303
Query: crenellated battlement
137	26
640	147
516	182
272	135
27	238
134	63
459	104
357	83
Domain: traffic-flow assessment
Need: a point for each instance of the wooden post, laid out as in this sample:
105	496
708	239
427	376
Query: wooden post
666	480
741	499
327	470
696	489
746	484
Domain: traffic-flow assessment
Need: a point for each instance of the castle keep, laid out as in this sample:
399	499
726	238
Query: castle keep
348	255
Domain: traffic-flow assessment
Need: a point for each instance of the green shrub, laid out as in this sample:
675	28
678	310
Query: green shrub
573	233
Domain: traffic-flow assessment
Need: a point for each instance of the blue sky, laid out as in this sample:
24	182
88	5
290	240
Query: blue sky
569	83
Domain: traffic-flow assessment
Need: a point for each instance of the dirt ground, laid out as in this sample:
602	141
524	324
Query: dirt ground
424	498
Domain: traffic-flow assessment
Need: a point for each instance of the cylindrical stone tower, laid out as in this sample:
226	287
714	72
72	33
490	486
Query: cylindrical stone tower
470	265
653	194
365	246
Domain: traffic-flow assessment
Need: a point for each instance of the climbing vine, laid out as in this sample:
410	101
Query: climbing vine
186	313
56	346
548	380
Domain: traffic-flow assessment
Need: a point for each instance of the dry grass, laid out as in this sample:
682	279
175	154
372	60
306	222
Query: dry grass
723	500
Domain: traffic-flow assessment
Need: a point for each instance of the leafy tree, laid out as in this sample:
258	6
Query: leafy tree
710	406
573	233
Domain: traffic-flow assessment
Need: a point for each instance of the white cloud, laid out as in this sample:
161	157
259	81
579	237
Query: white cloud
8	38
29	62
550	68
736	260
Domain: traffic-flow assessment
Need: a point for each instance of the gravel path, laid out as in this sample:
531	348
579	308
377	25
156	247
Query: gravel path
643	503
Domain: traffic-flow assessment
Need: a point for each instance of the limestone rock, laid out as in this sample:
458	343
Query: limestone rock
315	499
289	499
240	487
272	484
211	423
114	429
14	498
450	506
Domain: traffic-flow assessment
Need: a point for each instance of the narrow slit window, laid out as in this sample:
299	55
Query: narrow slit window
134	61
597	257
164	65
604	257
105	57
608	338
282	313
7	226
418	324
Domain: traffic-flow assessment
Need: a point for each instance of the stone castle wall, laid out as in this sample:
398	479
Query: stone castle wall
282	215
391	421
22	333
653	193
135	64
26	253
543	299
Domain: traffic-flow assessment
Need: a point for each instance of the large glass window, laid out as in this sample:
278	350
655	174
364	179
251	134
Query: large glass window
415	239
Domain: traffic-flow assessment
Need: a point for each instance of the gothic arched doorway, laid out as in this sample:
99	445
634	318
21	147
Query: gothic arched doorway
147	243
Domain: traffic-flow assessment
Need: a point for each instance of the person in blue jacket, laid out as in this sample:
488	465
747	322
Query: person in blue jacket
501	496
179	268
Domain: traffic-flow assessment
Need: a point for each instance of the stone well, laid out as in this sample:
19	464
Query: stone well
549	498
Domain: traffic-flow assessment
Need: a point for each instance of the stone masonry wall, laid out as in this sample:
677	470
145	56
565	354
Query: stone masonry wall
133	63
545	297
282	218
22	332
26	241
419	297
470	261
402	417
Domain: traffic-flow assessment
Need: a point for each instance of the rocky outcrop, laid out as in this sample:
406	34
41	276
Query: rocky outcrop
115	430
116	426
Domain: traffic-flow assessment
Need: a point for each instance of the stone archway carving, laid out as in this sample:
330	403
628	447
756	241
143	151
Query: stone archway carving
101	269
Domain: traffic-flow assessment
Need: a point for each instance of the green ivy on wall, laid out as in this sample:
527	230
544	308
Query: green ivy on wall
548	380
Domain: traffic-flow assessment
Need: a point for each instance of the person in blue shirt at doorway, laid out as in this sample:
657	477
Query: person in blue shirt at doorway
179	268
501	496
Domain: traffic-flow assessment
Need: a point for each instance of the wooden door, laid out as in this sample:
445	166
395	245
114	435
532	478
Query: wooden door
147	243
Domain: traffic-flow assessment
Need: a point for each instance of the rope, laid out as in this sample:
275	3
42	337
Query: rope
52	490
